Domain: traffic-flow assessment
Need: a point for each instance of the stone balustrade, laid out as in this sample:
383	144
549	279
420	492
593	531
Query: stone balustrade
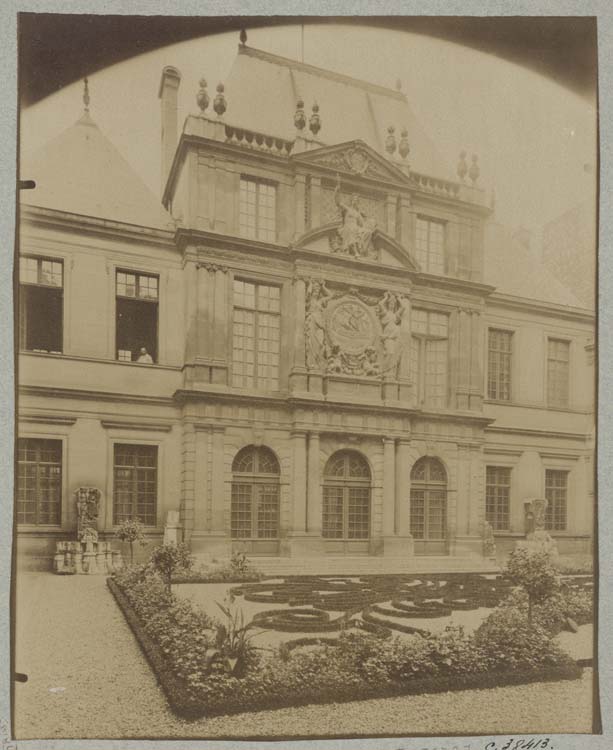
89	558
259	141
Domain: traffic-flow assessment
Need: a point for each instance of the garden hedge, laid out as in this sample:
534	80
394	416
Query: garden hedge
224	694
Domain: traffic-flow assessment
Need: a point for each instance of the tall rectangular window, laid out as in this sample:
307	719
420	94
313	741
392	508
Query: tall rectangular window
499	365
136	320
558	360
256	336
41	304
498	496
258	210
429	356
556	494
430	245
135	483
39	481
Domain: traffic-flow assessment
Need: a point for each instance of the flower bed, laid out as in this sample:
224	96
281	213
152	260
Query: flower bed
178	641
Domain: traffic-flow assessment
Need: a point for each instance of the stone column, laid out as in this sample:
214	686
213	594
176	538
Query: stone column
299	482
389	487
403	490
314	490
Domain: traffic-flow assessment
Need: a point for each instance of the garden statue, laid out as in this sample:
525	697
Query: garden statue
88	501
489	543
88	554
537	537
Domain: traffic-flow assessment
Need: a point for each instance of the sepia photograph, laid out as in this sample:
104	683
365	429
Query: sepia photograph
306	359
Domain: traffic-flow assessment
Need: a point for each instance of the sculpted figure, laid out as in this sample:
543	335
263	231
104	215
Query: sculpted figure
87	501
355	233
390	310
317	298
335	360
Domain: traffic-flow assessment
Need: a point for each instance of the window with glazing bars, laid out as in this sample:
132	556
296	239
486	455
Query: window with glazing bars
498	496
430	245
258	210
556	494
39	481
41	304
346	497
135	483
428	508
429	356
256	336
499	365
254	511
558	360
136	317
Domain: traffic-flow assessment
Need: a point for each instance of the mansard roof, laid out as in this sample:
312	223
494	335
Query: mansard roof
81	172
263	89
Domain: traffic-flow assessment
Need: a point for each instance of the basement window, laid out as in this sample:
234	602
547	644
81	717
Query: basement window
136	317
41	304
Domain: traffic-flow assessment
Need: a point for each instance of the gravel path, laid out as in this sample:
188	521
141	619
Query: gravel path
88	679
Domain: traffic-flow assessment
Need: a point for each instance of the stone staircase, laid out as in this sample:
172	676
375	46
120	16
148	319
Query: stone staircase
364	565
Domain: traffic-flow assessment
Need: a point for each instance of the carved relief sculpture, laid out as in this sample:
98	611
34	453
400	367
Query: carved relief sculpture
88	502
317	297
391	310
355	235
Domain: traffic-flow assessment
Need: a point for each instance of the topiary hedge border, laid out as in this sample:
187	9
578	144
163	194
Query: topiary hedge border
185	706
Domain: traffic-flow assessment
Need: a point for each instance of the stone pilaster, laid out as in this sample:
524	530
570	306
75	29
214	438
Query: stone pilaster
476	362
403	490
316	201
299	204
298	375
188	480
407	223
390	215
314	502
397	541
389	487
463	360
219	370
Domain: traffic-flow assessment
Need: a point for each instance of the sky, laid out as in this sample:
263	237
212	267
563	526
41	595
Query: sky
536	140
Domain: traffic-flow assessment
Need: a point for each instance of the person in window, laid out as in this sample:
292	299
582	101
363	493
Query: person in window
144	357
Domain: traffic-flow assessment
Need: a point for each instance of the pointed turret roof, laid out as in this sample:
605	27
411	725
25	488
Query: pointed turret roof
263	89
81	172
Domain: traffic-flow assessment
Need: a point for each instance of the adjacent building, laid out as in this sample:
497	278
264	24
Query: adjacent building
315	344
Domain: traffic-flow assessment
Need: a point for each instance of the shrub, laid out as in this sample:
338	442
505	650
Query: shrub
534	572
168	559
551	614
507	640
131	531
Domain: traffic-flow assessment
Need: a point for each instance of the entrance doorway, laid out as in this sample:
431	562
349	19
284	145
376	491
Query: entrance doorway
346	504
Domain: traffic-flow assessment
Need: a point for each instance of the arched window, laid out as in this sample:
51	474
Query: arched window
255	494
428	517
346	497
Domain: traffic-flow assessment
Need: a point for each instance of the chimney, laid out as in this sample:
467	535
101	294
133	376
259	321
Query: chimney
168	95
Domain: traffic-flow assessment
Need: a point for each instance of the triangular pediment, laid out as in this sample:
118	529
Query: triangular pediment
382	250
353	158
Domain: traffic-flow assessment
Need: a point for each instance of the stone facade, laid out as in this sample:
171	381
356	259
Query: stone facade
346	412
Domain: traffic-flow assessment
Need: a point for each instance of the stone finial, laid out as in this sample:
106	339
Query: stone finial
462	170
243	37
315	120
474	170
202	97
390	140
219	103
86	94
403	146
299	116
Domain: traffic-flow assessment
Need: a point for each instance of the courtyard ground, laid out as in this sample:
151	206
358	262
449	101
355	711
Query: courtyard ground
87	678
